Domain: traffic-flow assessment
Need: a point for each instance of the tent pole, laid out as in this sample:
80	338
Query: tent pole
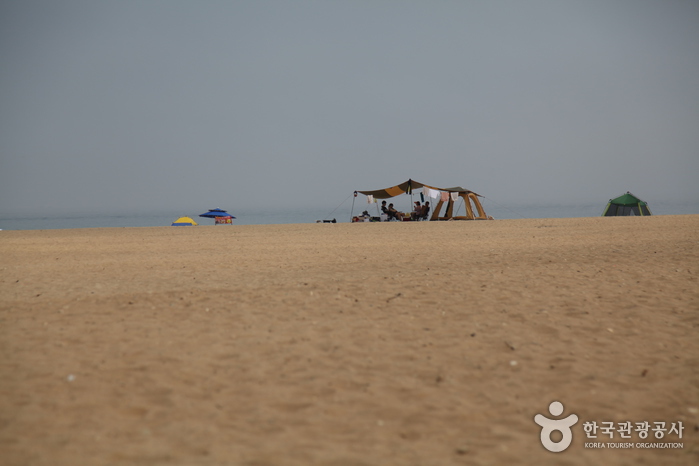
352	212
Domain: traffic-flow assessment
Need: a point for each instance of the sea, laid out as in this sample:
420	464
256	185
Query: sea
342	214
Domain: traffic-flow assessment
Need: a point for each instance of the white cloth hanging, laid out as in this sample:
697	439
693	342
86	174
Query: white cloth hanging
429	192
454	196
369	198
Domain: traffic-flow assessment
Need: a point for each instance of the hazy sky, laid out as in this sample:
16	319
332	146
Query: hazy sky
139	105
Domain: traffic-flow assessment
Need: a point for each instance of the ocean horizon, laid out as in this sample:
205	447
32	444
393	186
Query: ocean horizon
342	214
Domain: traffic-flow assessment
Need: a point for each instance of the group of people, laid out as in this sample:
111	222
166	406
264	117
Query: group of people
419	213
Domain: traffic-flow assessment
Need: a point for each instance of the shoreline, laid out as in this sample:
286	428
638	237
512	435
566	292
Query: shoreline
17	221
238	225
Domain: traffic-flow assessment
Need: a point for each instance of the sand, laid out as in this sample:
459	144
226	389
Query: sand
431	343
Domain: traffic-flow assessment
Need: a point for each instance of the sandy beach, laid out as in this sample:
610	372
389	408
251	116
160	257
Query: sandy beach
425	343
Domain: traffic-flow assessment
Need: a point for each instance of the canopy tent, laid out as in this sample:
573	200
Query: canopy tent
407	187
442	195
626	204
184	221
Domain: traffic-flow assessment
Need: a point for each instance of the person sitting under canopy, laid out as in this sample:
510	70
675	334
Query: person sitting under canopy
425	211
417	211
393	213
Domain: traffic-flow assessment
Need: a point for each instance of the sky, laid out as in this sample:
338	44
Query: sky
138	106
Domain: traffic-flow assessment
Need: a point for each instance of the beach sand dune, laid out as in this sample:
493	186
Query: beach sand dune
347	344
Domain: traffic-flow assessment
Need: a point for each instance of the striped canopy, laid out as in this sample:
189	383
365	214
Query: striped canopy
407	187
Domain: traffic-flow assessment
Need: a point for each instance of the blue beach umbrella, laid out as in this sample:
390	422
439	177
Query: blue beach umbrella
213	213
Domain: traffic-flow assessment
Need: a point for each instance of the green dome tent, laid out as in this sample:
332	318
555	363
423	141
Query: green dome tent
626	204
